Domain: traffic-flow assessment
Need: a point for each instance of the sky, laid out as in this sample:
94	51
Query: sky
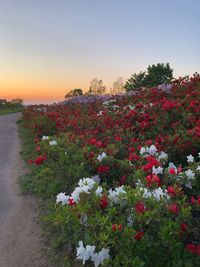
49	47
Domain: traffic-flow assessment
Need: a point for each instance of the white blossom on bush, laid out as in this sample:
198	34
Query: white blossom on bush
116	194
190	158
53	143
190	174
158	170
45	137
87	253
101	156
61	197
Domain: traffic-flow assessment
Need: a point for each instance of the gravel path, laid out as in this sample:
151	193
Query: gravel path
21	244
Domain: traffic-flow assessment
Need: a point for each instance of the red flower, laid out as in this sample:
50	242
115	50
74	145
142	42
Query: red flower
104	202
138	235
38	148
153	179
172	171
71	201
117	138
198	250
140	207
191	248
103	169
92	141
171	191
173	208
122	180
114	227
133	157
184	227
39	160
193	200
198	201
91	155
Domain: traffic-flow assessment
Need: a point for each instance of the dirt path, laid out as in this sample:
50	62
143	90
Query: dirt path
21	244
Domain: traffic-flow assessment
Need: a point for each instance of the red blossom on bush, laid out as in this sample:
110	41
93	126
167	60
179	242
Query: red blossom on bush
138	235
173	208
172	171
191	248
140	207
184	227
39	160
153	180
104	202
171	191
103	169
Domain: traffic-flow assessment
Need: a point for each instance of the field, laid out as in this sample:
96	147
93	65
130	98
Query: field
119	176
4	111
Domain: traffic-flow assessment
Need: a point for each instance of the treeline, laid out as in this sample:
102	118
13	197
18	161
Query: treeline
160	73
14	103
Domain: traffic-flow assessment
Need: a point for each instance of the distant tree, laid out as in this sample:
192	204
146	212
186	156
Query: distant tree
97	87
74	92
155	75
118	86
16	102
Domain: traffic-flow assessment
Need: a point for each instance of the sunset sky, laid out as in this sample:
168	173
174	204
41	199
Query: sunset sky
48	47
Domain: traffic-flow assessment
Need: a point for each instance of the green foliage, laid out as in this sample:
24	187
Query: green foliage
155	75
74	92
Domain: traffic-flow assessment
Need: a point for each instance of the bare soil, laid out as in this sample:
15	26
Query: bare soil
21	242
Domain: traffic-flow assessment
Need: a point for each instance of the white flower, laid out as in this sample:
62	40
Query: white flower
198	168
100	113
116	194
190	174
53	143
61	197
83	219
96	178
189	185
157	193
76	194
199	154
99	191
158	170
190	158
142	150
101	156
130	221
98	258
151	150
44	137
84	253
87	181
162	155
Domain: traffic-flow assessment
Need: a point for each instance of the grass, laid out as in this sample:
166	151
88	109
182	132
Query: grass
5	111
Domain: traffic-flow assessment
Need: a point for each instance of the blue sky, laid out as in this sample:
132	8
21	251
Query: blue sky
49	47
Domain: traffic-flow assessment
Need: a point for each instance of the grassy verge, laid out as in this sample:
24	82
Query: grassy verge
32	183
10	110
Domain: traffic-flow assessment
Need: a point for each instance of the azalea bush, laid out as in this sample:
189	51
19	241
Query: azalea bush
128	226
139	202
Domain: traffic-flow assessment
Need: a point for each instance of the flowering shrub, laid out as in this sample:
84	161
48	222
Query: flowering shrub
135	224
139	203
